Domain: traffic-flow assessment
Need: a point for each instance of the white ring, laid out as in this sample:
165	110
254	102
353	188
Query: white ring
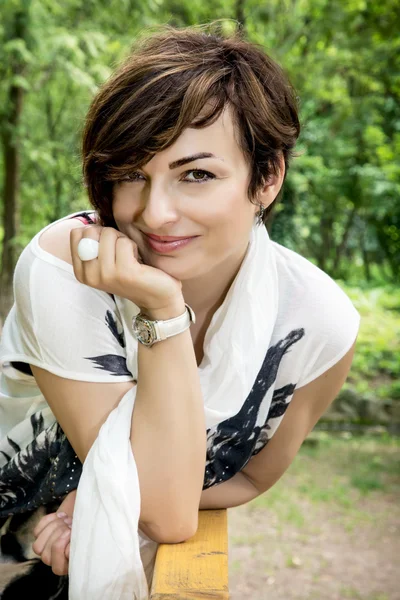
88	249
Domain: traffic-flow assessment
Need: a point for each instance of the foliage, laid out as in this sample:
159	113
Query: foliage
371	394
347	182
378	344
339	205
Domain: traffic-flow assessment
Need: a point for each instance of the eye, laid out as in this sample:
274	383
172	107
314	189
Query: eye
199	176
132	177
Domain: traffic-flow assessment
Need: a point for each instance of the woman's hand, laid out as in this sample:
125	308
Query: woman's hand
53	535
118	270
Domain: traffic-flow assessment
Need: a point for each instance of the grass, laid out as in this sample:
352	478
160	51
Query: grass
339	471
351	592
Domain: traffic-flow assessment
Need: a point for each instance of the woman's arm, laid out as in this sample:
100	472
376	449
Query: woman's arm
234	492
168	433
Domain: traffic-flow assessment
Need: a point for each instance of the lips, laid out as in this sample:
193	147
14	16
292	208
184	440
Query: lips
167	238
167	244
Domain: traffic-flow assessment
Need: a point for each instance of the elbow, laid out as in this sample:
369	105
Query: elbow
176	535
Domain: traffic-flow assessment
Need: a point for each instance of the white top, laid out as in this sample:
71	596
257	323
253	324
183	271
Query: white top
83	339
283	323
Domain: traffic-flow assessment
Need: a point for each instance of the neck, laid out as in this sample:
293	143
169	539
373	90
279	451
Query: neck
206	293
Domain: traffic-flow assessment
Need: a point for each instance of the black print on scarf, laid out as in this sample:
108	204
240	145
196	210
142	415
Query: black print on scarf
112	363
232	443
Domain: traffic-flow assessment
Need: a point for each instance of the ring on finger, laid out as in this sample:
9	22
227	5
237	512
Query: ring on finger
88	249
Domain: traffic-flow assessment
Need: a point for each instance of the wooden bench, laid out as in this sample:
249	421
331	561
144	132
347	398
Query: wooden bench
197	568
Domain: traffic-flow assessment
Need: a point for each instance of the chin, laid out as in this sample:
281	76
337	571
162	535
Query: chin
173	266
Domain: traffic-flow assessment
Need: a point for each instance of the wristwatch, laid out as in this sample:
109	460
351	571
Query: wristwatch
148	332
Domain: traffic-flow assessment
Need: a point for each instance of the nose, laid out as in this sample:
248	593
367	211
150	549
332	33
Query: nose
160	209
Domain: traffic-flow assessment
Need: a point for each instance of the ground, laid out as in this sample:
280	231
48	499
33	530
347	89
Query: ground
328	530
321	560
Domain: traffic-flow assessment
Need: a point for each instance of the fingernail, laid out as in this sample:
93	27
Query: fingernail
61	514
68	521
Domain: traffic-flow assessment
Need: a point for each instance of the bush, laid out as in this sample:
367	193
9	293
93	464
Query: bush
371	393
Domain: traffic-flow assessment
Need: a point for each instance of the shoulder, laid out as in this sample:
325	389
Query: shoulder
315	315
295	269
310	292
56	239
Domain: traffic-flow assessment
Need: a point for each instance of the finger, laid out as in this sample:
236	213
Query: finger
107	250
89	231
67	549
44	521
46	554
46	533
126	255
59	562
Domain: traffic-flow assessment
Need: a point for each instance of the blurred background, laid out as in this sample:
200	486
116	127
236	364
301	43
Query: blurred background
330	527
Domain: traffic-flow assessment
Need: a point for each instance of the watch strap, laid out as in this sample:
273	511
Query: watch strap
171	327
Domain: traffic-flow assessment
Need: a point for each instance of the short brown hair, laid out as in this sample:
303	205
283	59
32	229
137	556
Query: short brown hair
159	90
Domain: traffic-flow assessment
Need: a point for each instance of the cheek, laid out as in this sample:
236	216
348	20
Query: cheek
123	205
229	210
228	230
224	202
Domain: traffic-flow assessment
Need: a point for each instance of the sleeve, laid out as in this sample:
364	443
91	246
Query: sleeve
333	325
64	326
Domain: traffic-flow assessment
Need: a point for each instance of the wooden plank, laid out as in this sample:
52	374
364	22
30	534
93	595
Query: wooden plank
197	568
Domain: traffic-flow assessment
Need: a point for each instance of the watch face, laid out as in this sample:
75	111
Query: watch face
143	330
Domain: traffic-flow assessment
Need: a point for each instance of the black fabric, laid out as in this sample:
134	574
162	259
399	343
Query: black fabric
39	582
24	367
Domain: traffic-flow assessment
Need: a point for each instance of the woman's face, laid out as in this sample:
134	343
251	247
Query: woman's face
205	197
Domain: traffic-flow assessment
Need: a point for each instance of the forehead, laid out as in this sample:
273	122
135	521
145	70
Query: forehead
219	138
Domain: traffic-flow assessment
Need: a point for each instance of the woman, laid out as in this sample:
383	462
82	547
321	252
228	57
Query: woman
185	150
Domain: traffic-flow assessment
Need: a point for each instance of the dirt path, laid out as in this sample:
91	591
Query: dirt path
323	559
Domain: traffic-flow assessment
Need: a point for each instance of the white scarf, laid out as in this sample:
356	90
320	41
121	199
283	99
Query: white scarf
109	556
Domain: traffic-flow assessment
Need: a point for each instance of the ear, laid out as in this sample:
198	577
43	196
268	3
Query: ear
272	186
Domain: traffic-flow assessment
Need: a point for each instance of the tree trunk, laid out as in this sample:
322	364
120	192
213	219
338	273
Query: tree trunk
365	257
326	242
239	10
342	246
11	161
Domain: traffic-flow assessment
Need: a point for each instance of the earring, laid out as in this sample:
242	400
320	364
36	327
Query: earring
260	215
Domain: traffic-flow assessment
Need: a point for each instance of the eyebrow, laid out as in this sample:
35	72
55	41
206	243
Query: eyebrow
188	159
